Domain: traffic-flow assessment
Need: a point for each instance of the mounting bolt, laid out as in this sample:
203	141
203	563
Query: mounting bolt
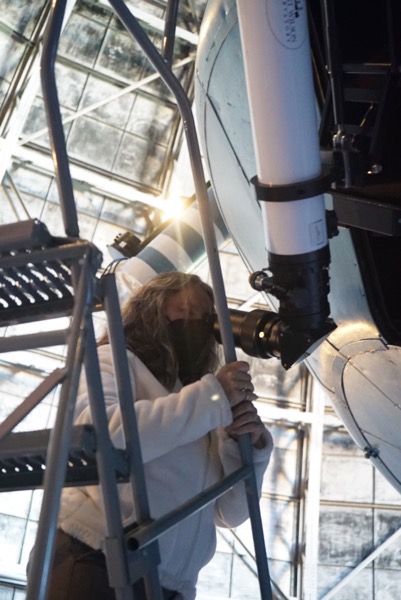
371	452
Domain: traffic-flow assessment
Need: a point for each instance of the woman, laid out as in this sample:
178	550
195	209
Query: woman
189	421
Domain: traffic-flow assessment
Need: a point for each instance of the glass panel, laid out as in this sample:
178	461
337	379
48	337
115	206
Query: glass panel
121	55
351	484
114	113
21	15
81	39
12	531
11	51
386	523
93	142
139	160
339	544
70	85
151	119
94	10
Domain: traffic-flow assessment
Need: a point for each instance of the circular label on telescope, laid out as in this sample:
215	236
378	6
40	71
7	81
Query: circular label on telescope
287	21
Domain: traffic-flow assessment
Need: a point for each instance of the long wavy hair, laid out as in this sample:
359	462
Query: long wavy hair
146	325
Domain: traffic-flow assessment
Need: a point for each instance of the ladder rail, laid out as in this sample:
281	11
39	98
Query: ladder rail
115	547
41	560
54	120
60	440
133	27
132	446
123	382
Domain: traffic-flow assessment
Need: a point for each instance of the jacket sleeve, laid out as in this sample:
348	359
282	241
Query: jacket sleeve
231	509
165	421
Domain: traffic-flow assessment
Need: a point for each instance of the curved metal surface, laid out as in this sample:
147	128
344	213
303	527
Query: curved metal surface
355	365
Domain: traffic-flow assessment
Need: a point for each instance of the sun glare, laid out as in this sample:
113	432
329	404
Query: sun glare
173	207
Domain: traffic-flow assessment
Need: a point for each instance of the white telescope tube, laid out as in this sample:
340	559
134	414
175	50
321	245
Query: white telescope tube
180	247
275	46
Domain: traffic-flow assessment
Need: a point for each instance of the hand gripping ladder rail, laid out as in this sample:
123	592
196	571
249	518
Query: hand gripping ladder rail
42	276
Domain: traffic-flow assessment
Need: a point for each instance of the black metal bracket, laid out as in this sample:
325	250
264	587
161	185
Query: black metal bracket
369	214
299	190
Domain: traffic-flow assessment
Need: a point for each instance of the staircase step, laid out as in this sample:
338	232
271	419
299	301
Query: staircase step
36	272
23	459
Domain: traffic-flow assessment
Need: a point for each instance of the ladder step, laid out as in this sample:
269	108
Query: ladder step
23	235
23	459
35	272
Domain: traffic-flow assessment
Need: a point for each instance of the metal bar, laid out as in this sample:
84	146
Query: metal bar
97	182
333	61
19	116
29	341
349	504
53	114
185	108
169	31
298	489
128	418
158	23
11	201
119	580
26	64
138	538
59	442
31	401
192	6
69	252
366	561
14	188
312	503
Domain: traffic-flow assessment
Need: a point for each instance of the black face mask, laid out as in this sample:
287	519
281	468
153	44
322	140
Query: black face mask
193	342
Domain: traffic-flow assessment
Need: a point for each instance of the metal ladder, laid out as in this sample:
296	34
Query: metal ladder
42	276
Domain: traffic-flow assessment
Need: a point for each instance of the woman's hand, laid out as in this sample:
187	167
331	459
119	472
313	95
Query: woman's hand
236	382
247	420
238	387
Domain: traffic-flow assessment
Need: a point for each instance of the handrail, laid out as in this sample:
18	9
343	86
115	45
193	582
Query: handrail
133	27
54	121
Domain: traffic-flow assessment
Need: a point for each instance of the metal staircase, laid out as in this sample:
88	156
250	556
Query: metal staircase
42	277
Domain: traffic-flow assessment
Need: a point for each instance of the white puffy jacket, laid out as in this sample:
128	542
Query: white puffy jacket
185	449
